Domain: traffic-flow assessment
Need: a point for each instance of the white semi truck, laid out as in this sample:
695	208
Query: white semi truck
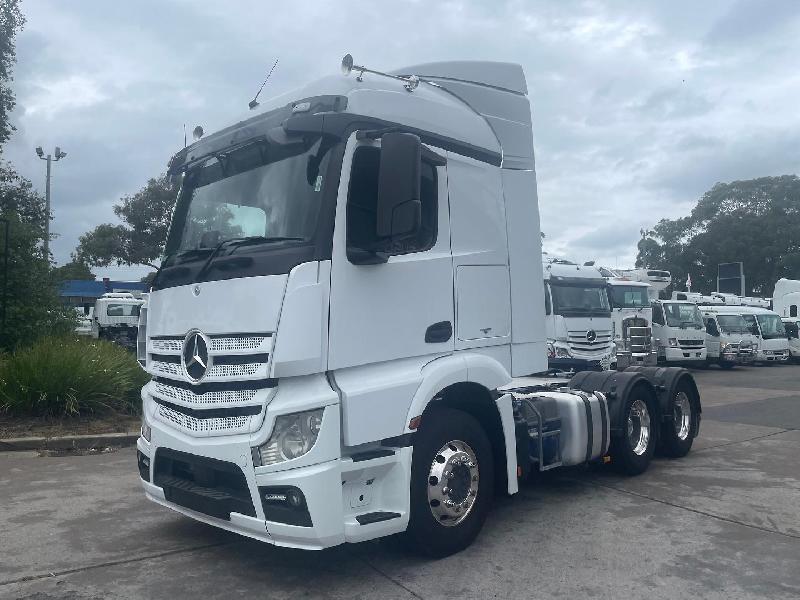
786	298
678	332
632	317
577	317
341	327
658	279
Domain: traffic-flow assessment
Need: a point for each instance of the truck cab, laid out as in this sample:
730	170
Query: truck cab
343	330
773	342
115	317
679	332
791	325
577	317
786	298
729	341
632	317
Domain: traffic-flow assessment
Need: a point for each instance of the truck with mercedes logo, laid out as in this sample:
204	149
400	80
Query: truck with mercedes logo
345	329
577	317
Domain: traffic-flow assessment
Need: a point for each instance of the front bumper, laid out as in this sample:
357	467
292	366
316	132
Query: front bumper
335	489
773	356
693	354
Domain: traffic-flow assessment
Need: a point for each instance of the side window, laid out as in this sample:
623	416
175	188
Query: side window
548	308
362	201
793	310
711	327
658	314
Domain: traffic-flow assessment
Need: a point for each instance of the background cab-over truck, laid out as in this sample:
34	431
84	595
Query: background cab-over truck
773	342
729	340
339	333
116	317
577	317
678	332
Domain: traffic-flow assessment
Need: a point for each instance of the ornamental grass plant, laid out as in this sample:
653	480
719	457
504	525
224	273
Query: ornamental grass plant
59	377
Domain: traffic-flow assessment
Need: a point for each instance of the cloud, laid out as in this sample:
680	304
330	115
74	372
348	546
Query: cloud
638	108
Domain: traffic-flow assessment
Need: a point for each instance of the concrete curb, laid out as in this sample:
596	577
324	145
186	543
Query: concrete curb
70	442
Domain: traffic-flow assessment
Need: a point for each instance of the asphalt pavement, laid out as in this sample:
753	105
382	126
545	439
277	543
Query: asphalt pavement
724	522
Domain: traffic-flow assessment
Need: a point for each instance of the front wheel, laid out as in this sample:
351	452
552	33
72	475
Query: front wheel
632	451
452	481
677	433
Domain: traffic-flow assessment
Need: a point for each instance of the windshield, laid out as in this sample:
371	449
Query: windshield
628	296
573	300
752	324
732	324
771	327
258	191
683	315
122	310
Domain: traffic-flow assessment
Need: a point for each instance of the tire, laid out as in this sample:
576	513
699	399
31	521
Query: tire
677	433
630	452
446	437
726	365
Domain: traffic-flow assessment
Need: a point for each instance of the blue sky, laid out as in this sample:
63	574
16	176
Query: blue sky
638	108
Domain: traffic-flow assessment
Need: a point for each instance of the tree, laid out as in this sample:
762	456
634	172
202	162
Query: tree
31	302
74	269
140	239
11	21
756	222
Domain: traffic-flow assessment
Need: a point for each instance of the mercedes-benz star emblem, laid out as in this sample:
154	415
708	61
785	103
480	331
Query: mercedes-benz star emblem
591	335
195	355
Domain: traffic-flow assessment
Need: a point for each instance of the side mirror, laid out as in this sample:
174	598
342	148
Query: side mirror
399	210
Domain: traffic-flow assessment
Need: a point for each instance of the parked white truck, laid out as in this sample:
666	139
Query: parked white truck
632	316
773	342
678	332
116	317
345	313
786	298
729	341
577	318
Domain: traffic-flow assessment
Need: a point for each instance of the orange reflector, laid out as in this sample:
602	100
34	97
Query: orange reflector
519	471
414	423
606	460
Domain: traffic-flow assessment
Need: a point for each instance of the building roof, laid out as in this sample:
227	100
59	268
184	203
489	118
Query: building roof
95	289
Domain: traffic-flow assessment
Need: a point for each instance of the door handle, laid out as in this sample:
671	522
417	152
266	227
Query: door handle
439	332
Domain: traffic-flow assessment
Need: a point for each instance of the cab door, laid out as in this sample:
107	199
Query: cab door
403	307
713	339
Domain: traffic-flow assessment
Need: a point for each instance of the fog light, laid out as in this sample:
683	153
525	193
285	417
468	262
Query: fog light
673	342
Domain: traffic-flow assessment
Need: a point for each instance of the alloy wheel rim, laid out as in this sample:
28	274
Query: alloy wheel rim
453	482
639	427
682	416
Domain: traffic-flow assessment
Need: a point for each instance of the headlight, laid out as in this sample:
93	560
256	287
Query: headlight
292	436
551	351
562	352
146	431
723	347
673	342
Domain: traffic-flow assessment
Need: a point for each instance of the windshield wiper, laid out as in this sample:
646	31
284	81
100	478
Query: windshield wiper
238	243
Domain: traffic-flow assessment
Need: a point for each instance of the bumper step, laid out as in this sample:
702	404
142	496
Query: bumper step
376	517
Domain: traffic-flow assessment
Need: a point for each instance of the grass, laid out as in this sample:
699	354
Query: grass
67	376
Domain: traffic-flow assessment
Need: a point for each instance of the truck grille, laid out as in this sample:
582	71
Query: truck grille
228	399
187	397
577	341
691	343
217	425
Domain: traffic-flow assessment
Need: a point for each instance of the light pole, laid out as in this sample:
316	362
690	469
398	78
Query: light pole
5	282
49	158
